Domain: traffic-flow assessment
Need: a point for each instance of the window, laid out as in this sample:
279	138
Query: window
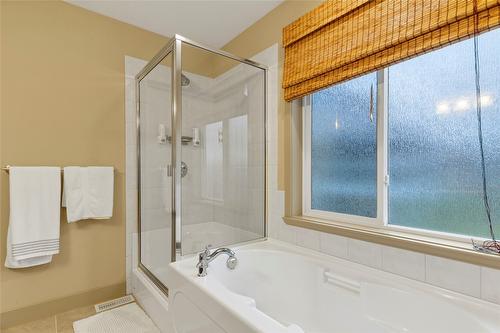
399	148
343	154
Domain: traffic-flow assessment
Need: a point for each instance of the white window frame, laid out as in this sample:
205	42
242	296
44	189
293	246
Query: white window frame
380	222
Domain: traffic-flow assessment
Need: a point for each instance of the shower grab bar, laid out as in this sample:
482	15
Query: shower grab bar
342	282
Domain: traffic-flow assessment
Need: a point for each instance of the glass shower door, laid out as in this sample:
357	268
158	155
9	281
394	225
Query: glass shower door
223	150
201	153
155	171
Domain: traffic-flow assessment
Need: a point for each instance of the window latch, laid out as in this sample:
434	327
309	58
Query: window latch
370	115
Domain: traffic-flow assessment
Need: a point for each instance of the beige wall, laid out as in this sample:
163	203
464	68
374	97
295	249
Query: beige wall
62	103
264	33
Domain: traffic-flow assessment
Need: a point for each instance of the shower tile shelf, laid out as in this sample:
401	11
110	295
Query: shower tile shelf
185	140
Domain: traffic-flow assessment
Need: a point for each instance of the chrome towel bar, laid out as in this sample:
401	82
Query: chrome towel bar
7	169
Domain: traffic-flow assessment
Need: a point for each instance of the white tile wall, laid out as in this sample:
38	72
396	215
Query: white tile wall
308	238
334	245
454	275
490	284
132	66
365	253
406	263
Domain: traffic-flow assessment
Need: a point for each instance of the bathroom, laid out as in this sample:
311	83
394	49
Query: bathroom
239	166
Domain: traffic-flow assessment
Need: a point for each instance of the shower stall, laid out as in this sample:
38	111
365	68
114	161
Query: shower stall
201	153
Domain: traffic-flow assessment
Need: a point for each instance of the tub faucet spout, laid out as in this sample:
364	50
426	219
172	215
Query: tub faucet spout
205	257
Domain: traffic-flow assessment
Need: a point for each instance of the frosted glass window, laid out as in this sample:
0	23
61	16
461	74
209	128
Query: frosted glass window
344	149
434	161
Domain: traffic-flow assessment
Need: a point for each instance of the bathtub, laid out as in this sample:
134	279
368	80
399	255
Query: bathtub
281	288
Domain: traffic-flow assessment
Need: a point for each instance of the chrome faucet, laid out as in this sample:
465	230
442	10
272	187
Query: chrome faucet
205	257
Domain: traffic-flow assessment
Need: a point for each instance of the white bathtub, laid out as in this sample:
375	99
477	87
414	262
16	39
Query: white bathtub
283	288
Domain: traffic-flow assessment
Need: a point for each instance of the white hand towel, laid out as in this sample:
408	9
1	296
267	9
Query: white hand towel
35	198
10	262
88	193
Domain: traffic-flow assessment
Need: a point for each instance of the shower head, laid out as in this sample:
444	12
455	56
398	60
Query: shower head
185	81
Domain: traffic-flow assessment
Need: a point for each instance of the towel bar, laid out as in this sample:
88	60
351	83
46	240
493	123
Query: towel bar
7	169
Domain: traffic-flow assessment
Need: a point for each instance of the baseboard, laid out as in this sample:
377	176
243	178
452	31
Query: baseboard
51	308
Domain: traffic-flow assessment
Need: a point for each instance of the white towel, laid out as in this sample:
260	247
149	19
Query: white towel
88	193
35	200
10	262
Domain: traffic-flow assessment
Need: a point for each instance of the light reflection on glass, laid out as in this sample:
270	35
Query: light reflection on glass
434	158
344	162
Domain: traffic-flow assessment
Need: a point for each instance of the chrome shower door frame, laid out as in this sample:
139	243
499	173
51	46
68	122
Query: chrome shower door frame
155	61
174	46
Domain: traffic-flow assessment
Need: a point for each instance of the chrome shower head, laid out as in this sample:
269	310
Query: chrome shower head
185	81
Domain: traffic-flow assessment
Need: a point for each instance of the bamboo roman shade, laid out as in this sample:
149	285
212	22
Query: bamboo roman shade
343	39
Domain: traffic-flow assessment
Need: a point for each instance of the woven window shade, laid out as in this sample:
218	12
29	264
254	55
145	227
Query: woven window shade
343	39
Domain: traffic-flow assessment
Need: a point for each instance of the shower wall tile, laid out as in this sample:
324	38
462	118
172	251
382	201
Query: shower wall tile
131	211
287	233
365	253
454	275
128	284
272	180
131	188
490	284
131	137
309	239
128	245
334	245
134	244
405	263
272	226
132	66
131	168
272	152
130	108
128	266
277	202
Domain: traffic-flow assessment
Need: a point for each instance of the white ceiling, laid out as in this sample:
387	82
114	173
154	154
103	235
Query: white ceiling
213	22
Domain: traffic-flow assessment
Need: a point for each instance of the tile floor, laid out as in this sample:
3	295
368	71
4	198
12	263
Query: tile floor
60	323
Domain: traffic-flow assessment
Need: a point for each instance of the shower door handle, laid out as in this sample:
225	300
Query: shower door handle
184	170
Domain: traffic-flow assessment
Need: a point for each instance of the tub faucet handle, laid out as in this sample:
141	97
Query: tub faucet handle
205	257
206	252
